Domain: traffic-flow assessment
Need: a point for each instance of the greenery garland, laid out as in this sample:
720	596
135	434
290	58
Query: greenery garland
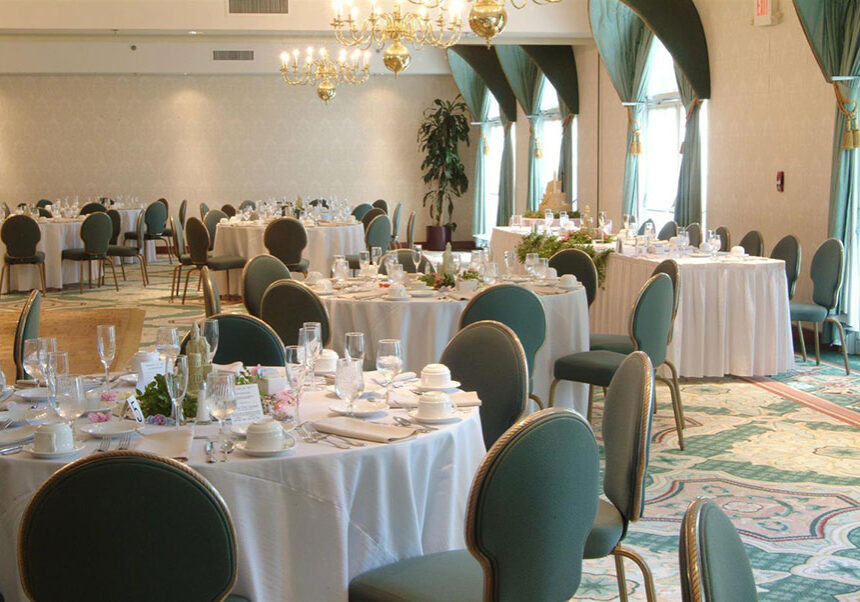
547	245
539	215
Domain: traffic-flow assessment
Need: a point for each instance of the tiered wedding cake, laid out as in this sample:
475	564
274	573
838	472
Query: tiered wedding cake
553	198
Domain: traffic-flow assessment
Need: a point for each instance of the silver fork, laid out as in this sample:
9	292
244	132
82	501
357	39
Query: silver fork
5	424
309	436
104	445
313	431
124	442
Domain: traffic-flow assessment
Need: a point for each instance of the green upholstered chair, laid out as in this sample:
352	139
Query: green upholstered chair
123	251
211	221
580	264
753	243
725	238
27	328
827	271
250	205
714	564
211	296
21	234
668	230
641	231
287	304
183	213
228	210
528	516
245	339
92	208
204	209
180	545
395	224
155	225
381	204
519	309
410	230
694	232
376	234
319	203
183	257
788	250
168	232
627	413
404	258
96	232
359	210
286	239
45	213
650	330
43	203
370	216
487	357
138	244
259	273
6	209
198	247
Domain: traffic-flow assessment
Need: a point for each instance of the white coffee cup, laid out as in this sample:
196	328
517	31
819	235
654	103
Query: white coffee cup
265	435
323	285
551	274
326	361
738	251
54	437
435	404
397	291
706	247
435	375
568	281
313	277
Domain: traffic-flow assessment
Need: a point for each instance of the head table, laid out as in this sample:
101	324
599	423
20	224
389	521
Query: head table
308	522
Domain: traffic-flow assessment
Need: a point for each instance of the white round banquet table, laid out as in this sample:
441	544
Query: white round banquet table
57	234
425	325
733	315
246	240
308	522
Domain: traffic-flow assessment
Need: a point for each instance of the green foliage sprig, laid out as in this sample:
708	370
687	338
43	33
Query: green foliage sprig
155	400
539	215
547	245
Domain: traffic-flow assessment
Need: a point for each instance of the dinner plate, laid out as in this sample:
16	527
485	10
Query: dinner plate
422	293
362	408
289	446
110	429
18	434
413	414
452	384
44	455
34	394
23	414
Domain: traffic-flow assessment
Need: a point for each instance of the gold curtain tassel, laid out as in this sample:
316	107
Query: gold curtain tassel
538	150
486	145
635	144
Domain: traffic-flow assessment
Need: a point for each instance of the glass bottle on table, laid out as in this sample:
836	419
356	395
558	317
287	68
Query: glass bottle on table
106	345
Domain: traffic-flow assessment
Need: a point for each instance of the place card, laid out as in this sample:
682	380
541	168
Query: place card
147	372
249	406
133	408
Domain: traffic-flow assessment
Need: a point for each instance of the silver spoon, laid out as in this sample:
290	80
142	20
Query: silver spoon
418	427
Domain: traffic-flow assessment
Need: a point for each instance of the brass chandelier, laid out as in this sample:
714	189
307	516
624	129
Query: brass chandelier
317	68
398	26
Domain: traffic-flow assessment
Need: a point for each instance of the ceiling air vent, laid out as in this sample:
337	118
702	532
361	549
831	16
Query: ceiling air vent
232	55
258	7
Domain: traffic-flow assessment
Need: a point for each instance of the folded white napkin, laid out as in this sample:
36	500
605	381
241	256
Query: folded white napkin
359	429
463	399
235	367
461	295
172	443
368	294
545	290
400	379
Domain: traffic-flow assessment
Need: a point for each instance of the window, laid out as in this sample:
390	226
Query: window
493	141
548	127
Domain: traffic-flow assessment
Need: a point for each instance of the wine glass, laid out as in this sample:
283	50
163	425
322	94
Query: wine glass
354	345
510	263
221	397
601	222
46	345
417	251
296	371
375	255
57	365
176	379
389	362
563	220
649	232
491	273
531	262
209	332
363	260
349	381
541	267
106	344
71	398
167	342
32	366
548	218
310	338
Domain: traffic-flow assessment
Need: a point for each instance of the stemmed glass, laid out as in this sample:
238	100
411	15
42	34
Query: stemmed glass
71	399
531	262
176	379
46	345
548	218
389	362
57	365
106	344
221	397
541	267
417	251
354	345
601	222
167	342
375	255
349	381
32	365
363	261
563	221
491	273
310	337
649	232
296	371
509	263
209	332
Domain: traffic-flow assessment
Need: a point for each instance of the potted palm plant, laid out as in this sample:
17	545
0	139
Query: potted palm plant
444	127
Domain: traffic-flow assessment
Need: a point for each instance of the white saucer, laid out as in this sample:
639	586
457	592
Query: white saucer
404	298
322	293
289	445
413	414
422	293
452	384
34	394
43	455
241	430
101	409
110	429
517	278
575	287
362	408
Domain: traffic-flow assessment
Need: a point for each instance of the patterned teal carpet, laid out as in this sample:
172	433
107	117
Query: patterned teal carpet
779	455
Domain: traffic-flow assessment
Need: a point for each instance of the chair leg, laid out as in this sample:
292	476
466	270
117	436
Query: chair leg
81	279
842	340
9	280
174	282
122	267
677	384
229	295
590	403
187	277
802	342
3	275
817	349
679	426
42	276
142	259
113	271
551	402
650	594
90	273
619	576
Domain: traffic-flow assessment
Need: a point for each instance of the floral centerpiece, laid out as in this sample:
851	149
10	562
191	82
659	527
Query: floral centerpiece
547	245
439	280
155	402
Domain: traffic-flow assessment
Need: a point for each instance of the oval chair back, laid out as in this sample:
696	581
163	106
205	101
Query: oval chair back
378	233
694	232
257	275
370	216
45	213
211	296
204	209
116	225
183	212
410	230
319	203
27	328
286	238
641	231
6	210
156	218
211	221
381	204
668	230
198	241
725	238
395	222
517	533
245	339
827	270
651	318
486	357
580	264
43	203
360	209
671	268
179	519
228	209
714	564
163	201
287	304
178	238
627	412
92	208
251	205
753	243
96	232
404	258
788	249
20	234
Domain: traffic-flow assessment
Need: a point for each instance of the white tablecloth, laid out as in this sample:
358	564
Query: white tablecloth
309	522
324	242
427	324
733	316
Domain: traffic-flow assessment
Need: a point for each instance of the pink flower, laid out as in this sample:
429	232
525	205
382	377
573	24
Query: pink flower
283	400
255	370
109	396
100	416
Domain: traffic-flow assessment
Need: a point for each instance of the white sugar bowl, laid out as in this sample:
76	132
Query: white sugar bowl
326	362
435	405
435	375
265	435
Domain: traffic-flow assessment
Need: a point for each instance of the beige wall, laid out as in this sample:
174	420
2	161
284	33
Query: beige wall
216	139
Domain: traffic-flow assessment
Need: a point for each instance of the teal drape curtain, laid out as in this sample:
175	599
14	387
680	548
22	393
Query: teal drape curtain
624	43
688	201
507	180
525	78
565	157
832	28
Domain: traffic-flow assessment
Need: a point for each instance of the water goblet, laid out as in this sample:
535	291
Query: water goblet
510	263
176	379
167	342
349	381
296	371
389	362
32	366
71	398
563	220
541	267
209	331
310	338
57	365
548	218
106	345
46	345
417	252
375	255
354	345
363	260
221	397
530	263
491	273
